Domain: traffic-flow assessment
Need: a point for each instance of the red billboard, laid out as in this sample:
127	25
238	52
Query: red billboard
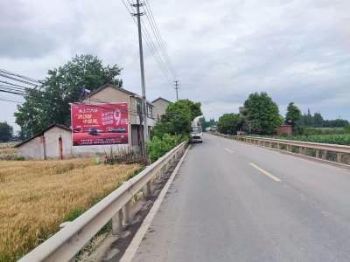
99	124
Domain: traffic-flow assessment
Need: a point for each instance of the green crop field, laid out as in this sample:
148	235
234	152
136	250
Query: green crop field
340	139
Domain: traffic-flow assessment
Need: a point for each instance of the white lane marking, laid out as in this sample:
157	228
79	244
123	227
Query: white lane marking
229	150
265	172
136	241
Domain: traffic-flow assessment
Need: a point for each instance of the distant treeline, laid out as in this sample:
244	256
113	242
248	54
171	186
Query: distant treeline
317	120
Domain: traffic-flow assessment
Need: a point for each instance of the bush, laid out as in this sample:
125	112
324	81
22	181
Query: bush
158	146
347	129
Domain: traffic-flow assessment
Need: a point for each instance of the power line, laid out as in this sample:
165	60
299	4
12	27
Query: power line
20	76
148	40
159	42
12	84
151	45
17	79
158	36
4	90
157	48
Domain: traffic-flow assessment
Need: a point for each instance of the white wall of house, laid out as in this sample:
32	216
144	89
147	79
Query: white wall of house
47	145
99	149
160	106
52	137
33	149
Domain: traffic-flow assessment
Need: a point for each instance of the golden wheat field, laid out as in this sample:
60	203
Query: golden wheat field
36	196
8	151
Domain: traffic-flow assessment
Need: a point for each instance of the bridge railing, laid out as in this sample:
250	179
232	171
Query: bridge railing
330	152
66	243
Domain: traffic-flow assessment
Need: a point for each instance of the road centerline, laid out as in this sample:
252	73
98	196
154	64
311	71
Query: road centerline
229	150
264	172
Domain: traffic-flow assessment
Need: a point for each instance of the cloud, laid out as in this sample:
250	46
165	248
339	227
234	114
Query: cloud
296	50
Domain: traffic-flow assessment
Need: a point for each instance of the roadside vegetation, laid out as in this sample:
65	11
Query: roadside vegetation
260	116
37	196
173	128
340	139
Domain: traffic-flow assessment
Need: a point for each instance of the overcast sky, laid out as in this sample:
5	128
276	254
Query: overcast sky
222	50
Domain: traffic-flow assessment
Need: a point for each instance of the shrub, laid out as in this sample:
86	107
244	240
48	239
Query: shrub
158	146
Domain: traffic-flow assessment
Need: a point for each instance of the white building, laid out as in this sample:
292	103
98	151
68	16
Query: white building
160	105
53	142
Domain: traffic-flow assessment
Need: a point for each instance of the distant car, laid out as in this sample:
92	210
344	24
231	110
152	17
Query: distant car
94	131
118	130
196	135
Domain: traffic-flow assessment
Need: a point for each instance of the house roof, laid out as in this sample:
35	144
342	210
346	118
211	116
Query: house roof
161	98
113	86
42	132
117	88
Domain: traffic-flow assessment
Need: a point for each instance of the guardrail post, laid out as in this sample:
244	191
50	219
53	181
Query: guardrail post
339	156
317	153
300	150
127	212
147	189
324	155
117	222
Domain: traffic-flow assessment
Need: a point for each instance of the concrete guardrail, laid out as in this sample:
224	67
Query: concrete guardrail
67	242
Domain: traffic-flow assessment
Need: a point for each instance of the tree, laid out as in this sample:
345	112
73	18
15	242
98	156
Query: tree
318	120
293	114
229	123
6	132
261	114
207	124
63	85
177	119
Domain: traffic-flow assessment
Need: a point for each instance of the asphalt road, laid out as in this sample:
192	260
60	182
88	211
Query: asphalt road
238	202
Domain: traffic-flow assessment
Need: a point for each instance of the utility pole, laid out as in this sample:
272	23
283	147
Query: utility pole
177	89
138	14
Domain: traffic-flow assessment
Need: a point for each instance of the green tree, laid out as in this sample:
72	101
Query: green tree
293	114
318	120
6	132
177	119
205	124
229	123
63	85
261	114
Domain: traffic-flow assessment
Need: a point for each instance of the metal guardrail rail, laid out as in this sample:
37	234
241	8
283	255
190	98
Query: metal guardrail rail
67	242
316	150
331	152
